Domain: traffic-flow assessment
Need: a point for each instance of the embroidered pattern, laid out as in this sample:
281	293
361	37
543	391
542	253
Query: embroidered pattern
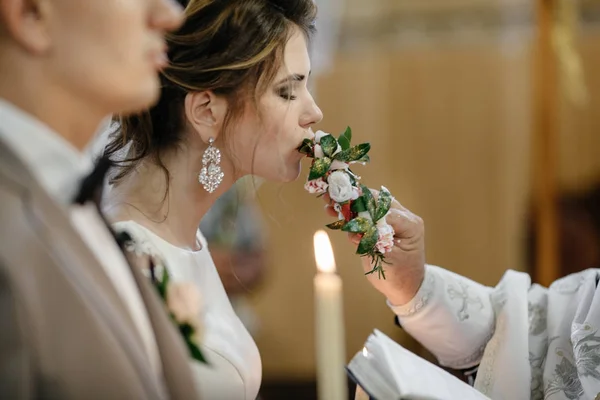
463	295
571	283
582	360
485	376
537	376
537	319
538	340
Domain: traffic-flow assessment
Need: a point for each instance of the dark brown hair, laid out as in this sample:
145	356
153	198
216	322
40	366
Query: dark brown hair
231	47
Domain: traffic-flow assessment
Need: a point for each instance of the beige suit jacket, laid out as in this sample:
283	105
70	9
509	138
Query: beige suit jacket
65	332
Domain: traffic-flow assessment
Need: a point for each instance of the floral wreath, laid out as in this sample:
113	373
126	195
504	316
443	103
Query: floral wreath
357	209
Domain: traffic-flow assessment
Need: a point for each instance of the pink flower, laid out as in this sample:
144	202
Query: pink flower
184	302
316	186
385	243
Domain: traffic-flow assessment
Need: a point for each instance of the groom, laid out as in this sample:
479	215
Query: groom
77	320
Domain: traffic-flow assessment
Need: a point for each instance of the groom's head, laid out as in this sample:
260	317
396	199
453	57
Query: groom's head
105	53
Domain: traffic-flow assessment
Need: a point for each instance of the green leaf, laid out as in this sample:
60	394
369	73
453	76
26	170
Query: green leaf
345	139
366	159
377	260
368	241
329	145
162	283
358	225
319	168
354	153
383	204
187	331
195	352
369	200
348	133
359	205
306	147
337	224
352	178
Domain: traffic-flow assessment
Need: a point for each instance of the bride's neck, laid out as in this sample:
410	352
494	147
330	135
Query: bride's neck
171	208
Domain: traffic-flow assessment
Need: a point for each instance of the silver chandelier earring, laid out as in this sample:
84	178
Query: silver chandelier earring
211	174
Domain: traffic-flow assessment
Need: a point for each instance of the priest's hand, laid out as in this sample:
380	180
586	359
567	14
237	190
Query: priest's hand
406	262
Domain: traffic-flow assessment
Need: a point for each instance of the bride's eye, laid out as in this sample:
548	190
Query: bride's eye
286	93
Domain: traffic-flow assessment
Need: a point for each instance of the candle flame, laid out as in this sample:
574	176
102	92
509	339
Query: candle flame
324	252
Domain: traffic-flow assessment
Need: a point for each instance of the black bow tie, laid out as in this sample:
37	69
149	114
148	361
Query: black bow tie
91	186
90	190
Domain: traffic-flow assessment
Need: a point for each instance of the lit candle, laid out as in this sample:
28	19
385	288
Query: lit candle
330	341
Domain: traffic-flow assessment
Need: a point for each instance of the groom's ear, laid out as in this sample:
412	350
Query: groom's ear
26	22
205	112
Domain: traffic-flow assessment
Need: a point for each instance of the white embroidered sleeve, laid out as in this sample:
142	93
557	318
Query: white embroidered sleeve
451	316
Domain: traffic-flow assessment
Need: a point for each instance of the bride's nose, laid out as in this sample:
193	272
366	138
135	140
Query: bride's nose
313	114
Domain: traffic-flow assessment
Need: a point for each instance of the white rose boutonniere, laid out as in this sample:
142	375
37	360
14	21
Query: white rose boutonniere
182	299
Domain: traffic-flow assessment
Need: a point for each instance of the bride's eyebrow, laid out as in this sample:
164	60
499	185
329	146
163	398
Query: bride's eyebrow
292	78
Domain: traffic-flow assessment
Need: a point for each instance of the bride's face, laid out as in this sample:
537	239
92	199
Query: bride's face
265	143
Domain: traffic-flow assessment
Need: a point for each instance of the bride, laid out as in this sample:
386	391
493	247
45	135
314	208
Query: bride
234	102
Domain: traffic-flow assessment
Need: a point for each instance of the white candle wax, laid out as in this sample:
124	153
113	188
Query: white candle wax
330	340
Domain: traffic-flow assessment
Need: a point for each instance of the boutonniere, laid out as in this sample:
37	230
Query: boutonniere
357	209
182	299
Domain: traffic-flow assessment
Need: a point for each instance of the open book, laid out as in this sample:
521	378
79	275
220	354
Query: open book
387	371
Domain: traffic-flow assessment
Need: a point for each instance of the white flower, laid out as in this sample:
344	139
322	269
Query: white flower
316	186
335	165
141	248
319	135
319	151
184	302
340	187
385	242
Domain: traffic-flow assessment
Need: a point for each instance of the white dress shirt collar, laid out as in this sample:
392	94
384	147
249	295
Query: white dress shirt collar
56	163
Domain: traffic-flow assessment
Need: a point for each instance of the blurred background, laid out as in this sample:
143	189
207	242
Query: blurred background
444	92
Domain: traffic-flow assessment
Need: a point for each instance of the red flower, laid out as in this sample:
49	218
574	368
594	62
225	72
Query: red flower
347	212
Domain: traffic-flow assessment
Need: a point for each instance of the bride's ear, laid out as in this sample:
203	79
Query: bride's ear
205	112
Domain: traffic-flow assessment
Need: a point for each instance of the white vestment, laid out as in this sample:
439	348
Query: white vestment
529	341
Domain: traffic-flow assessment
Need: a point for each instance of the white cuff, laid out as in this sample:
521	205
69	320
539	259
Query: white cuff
451	316
421	298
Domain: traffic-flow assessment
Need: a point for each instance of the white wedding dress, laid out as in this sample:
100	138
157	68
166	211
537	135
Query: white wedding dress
234	370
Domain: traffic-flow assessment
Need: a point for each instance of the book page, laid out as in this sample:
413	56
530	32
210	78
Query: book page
417	378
